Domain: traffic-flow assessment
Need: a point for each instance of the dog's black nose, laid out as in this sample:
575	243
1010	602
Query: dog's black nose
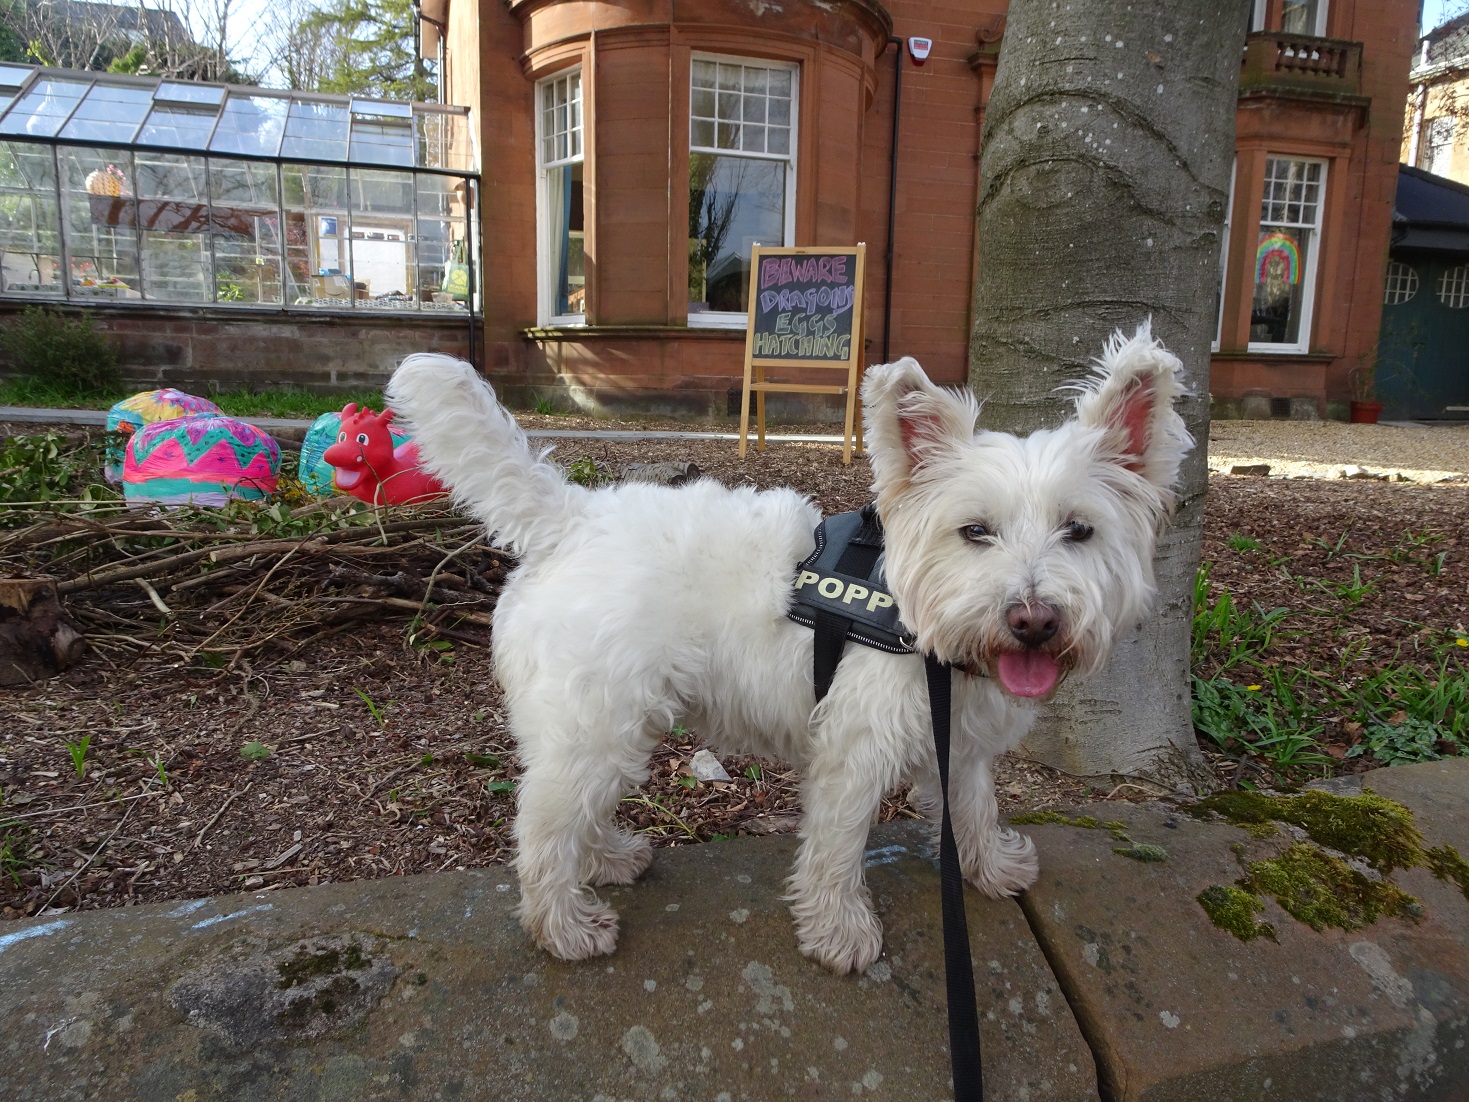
1033	624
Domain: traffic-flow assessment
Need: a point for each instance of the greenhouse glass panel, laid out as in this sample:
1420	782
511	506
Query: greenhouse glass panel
381	140
210	94
443	139
42	111
316	130
382	239
318	235
176	125
443	271
174	216
100	222
110	113
30	222
251	124
245	232
12	77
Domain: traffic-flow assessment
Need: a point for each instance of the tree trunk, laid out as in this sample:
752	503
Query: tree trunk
1108	147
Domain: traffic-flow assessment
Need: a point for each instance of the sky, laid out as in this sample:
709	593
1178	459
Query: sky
1436	11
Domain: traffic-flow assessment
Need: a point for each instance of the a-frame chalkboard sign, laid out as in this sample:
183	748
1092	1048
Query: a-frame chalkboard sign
805	312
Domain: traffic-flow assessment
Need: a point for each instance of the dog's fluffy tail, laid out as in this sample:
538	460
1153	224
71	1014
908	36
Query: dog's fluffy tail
469	441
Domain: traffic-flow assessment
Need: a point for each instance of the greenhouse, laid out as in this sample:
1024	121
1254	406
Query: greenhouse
119	189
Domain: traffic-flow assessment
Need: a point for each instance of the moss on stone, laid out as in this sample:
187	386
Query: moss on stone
1054	818
1234	909
1322	890
1446	864
1141	851
1368	826
325	962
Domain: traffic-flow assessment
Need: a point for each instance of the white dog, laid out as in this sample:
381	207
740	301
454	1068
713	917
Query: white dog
635	607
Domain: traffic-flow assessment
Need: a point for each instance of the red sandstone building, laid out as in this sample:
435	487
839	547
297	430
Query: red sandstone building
633	150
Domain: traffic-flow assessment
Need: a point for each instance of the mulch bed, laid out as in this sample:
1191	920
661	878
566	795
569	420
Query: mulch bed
380	756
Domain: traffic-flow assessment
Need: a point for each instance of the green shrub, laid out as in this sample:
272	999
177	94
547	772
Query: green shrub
66	354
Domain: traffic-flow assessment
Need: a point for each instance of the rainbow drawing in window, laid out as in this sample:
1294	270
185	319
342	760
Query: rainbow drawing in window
1277	258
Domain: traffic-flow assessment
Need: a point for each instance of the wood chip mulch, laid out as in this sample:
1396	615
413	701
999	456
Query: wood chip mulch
365	756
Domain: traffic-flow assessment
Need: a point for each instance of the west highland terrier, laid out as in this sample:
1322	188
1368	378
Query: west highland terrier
636	607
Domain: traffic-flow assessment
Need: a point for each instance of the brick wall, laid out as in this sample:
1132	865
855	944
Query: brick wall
200	349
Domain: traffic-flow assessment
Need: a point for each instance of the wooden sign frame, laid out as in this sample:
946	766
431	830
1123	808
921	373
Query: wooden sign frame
755	367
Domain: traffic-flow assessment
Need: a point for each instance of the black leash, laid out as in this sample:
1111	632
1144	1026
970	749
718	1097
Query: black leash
857	560
958	966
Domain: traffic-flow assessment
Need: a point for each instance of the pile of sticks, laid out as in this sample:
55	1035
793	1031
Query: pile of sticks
226	585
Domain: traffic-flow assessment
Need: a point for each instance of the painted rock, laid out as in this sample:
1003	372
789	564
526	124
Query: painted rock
133	413
314	471
206	459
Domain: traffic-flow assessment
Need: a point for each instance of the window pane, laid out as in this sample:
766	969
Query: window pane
1281	256
173	214
42	111
185	127
382	236
109	114
30	222
567	237
318	233
245	232
100	222
561	119
251	124
443	139
317	130
443	272
734	204
381	140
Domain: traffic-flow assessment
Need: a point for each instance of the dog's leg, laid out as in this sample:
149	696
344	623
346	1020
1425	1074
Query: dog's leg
999	861
564	835
827	891
617	857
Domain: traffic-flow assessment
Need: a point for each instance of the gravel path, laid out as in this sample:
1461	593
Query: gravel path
1321	449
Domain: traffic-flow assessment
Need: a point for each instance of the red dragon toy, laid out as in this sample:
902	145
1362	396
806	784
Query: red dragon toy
367	466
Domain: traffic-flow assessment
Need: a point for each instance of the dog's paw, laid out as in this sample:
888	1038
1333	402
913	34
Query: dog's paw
1007	866
845	939
622	863
586	927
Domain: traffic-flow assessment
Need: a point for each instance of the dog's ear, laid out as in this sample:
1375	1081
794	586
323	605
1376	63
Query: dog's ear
909	421
1131	397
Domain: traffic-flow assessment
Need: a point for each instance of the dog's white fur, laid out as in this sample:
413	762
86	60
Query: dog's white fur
636	607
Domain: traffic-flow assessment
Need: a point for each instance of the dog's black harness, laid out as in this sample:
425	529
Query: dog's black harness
841	592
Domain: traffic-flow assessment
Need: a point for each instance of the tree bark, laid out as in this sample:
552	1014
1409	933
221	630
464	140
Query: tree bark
1108	146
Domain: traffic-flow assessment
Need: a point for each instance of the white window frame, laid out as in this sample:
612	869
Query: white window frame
729	319
1401	284
1308	275
1224	258
547	270
1257	17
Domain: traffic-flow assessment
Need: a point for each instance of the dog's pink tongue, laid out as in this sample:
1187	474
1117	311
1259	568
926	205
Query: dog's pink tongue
1027	672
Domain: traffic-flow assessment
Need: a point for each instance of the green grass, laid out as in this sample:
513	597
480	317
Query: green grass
291	402
43	394
286	401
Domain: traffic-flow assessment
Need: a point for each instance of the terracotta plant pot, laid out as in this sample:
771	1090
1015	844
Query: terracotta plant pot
1365	413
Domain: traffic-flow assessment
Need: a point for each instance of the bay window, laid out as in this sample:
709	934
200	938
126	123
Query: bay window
1285	255
561	260
742	178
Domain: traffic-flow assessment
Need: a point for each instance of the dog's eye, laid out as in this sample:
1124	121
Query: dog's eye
976	533
1076	532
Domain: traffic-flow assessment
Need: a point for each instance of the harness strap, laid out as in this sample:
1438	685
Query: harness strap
958	965
857	560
